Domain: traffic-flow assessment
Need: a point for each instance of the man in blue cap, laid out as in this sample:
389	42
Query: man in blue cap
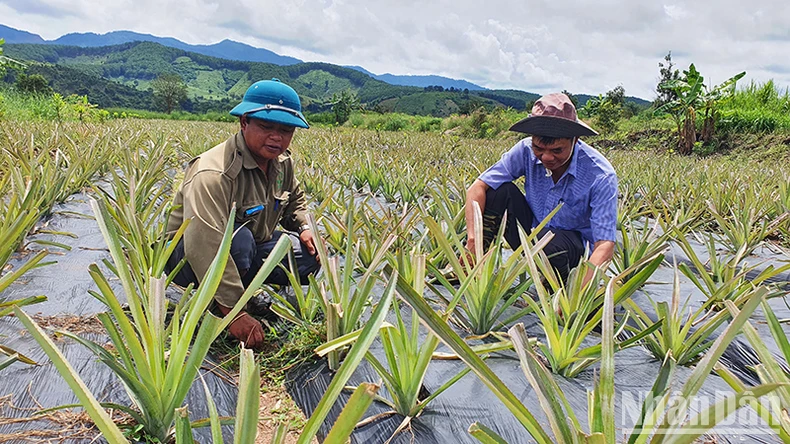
254	170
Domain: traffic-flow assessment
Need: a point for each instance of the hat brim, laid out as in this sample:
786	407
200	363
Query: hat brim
271	115
556	127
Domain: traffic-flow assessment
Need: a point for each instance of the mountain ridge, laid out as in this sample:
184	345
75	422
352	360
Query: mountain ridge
226	49
215	84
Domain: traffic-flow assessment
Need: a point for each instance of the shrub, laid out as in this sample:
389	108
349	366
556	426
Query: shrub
356	120
429	124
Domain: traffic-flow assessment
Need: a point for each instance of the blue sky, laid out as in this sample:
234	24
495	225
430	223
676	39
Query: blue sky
539	46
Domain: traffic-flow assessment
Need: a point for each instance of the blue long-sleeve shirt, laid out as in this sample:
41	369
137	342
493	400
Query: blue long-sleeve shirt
588	189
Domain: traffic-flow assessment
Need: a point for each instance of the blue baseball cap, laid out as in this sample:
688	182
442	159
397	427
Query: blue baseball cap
274	101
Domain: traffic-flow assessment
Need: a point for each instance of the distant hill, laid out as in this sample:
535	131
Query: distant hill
420	81
210	88
226	49
12	35
120	76
223	82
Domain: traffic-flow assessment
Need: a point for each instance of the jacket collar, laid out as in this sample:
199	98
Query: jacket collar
240	147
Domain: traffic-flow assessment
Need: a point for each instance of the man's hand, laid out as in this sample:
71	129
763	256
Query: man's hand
475	193
306	237
602	254
468	256
245	328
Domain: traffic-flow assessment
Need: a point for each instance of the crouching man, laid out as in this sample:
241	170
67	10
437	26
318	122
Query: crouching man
557	168
254	170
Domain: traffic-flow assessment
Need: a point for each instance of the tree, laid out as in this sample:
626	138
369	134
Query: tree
7	61
667	74
573	98
616	96
471	105
34	83
170	91
607	109
343	105
529	104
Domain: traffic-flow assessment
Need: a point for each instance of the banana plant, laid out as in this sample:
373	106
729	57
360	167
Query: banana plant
693	95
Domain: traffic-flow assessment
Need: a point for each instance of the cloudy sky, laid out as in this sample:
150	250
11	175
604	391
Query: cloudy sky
538	46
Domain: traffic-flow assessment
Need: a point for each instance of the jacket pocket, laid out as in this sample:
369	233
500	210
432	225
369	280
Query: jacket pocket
250	213
280	202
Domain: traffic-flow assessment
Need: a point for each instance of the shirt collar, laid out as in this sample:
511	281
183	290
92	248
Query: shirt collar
574	158
246	157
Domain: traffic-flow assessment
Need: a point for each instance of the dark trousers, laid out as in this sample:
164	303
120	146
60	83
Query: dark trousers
248	256
564	250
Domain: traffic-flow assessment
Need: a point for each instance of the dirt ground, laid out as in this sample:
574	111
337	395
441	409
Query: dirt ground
278	408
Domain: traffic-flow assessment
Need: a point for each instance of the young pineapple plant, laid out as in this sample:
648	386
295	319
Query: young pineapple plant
247	410
406	359
306	307
674	336
769	371
723	277
638	241
138	206
157	360
746	226
248	404
662	417
18	213
570	312
486	289
446	207
345	298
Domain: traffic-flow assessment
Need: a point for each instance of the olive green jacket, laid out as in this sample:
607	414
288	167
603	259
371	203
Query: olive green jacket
216	180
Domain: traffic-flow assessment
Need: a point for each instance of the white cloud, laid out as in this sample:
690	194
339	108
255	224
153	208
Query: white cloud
675	12
539	46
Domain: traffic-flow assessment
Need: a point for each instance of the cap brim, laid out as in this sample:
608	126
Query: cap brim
271	115
556	127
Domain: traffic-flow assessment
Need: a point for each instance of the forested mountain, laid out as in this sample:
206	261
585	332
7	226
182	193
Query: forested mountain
121	75
209	79
226	49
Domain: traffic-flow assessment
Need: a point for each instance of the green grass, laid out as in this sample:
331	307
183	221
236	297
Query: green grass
123	113
757	107
25	107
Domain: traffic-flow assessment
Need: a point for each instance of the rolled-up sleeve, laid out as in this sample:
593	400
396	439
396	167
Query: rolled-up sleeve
511	166
208	204
603	208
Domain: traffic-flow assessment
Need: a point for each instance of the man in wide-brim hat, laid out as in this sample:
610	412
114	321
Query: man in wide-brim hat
254	170
557	168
